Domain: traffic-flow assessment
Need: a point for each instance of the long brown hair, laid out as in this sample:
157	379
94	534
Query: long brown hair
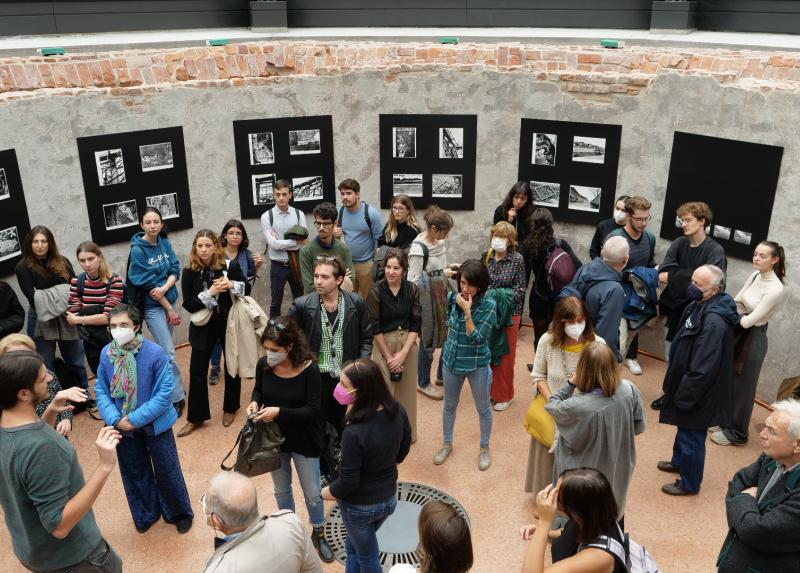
53	263
91	247
586	497
411	221
778	268
217	261
445	542
597	368
570	309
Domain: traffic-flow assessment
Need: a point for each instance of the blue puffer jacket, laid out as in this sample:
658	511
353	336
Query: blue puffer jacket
641	286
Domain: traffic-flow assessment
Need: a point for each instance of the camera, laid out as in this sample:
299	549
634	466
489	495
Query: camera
395	376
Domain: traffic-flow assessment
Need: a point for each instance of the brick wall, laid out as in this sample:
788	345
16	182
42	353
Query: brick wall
593	73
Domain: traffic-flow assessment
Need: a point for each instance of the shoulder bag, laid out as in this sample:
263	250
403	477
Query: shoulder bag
259	448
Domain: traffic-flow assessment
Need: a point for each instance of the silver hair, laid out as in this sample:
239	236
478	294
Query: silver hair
615	250
719	276
232	497
790	407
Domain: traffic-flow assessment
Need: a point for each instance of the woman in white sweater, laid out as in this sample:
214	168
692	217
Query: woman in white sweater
556	359
757	302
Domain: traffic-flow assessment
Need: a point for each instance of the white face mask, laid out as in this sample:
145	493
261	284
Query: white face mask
620	216
122	336
575	330
499	244
275	358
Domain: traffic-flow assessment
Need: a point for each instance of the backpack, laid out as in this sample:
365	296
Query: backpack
560	268
636	558
433	289
367	220
296	216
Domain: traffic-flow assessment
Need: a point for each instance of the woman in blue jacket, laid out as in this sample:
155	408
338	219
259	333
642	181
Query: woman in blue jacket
134	389
152	274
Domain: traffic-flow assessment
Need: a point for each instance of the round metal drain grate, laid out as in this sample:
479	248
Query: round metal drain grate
397	537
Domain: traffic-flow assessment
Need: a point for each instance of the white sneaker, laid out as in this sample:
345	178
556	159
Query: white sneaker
634	366
502	406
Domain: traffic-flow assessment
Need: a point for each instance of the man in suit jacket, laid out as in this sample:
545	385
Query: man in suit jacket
763	501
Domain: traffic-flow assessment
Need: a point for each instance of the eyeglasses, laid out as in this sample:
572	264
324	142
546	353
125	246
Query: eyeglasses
641	219
399	208
205	513
326	258
319	224
278	326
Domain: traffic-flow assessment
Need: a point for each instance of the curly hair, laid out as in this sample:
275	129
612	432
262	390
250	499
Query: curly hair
285	332
542	234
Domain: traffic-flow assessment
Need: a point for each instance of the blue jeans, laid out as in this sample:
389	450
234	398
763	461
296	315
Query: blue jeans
216	355
362	522
71	350
480	382
689	456
156	319
308	473
424	369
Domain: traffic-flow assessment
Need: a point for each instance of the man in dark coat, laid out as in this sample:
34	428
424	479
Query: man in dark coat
763	501
698	386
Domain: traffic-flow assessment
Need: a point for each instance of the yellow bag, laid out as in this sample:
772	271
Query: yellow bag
539	423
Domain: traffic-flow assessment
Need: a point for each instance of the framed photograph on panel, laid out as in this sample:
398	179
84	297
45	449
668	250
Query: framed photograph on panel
430	158
14	222
726	174
124	173
571	167
299	149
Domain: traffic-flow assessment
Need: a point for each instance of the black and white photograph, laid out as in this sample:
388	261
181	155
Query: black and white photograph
156	156
110	167
307	188
584	198
544	148
721	232
122	214
546	194
9	243
447	186
264	189
5	192
742	237
407	183
304	141
405	142
451	143
589	149
167	204
262	151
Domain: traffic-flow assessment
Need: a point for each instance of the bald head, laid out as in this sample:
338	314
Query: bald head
232	497
710	279
615	252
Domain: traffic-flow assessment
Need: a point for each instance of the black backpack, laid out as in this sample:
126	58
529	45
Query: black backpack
366	215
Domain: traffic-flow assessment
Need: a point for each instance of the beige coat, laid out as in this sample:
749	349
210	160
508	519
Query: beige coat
246	323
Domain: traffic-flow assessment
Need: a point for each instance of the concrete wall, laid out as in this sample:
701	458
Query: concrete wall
43	131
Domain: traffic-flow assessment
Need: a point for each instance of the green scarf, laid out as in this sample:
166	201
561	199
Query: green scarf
123	380
332	342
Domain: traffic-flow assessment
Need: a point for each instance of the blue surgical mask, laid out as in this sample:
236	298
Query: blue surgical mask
694	292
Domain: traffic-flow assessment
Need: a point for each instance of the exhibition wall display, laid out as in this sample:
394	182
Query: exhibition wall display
124	173
430	158
14	222
571	167
737	179
299	149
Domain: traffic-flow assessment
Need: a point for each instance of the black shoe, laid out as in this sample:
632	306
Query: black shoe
321	545
92	410
656	404
676	489
179	407
183	524
668	467
144	529
529	367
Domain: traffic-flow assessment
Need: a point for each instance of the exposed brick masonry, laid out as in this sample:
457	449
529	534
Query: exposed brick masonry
593	73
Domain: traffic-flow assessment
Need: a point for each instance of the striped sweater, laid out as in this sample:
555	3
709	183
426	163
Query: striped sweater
95	291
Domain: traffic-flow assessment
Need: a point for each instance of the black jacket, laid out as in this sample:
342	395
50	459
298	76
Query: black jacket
698	386
12	315
357	331
192	284
764	534
604	227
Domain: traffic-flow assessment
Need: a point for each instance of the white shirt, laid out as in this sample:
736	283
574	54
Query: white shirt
282	222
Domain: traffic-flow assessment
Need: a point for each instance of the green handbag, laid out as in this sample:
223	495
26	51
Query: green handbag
259	448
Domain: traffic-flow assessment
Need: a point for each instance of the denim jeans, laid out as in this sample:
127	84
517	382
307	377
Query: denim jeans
216	355
156	319
689	456
102	559
480	382
308	473
424	369
71	350
362	522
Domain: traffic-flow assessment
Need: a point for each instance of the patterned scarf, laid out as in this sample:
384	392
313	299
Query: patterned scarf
330	355
123	381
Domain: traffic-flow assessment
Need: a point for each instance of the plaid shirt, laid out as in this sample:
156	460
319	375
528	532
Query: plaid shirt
508	272
462	352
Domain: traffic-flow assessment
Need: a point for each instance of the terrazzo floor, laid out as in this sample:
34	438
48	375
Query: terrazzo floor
684	534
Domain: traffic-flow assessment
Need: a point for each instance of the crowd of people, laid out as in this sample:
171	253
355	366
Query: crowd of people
339	371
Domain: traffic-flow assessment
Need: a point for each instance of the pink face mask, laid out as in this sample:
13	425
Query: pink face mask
343	396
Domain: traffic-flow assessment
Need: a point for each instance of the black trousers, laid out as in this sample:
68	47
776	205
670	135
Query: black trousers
199	410
330	409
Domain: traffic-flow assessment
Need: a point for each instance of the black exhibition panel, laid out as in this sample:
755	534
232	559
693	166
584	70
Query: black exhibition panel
774	16
576	172
737	179
284	154
123	173
439	170
611	14
14	222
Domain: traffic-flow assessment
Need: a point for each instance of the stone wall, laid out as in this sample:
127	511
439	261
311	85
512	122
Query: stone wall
46	103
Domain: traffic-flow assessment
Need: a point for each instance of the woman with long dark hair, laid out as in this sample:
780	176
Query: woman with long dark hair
516	209
756	302
287	390
376	437
153	272
206	285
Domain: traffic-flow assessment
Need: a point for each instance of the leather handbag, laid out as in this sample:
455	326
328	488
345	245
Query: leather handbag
259	448
539	423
